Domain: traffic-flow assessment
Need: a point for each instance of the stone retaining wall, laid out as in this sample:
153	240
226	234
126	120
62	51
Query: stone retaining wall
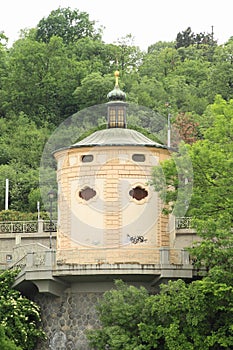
66	319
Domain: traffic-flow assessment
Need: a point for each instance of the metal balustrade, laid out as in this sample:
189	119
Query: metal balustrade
183	223
27	226
47	226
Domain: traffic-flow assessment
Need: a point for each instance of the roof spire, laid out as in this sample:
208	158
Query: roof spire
117	73
116	106
116	94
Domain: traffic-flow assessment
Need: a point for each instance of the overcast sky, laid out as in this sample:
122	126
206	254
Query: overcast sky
148	21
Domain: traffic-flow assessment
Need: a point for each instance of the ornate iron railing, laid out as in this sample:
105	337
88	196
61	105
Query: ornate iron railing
27	226
183	223
49	226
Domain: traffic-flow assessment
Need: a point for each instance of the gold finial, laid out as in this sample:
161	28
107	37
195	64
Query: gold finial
117	73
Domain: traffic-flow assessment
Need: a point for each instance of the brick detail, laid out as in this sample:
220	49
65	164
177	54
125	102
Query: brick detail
112	210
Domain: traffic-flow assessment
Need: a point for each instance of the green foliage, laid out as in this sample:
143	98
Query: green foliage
6	343
93	90
19	133
188	38
21	181
212	159
120	312
70	25
39	80
19	316
128	55
94	56
174	181
22	144
63	66
191	316
212	195
13	215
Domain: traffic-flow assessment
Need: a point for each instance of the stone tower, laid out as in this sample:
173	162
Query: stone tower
110	226
108	212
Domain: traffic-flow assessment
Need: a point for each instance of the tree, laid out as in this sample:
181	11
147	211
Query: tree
160	45
19	133
212	203
93	90
185	38
221	75
6	343
120	313
159	63
192	316
187	127
19	316
40	80
95	56
188	38
21	145
212	198
147	91
3	66
70	25
128	56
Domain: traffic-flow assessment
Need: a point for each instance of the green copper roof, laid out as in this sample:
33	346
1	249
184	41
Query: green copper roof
116	94
116	137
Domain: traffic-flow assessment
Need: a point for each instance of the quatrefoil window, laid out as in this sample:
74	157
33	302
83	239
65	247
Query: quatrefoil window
138	193
87	193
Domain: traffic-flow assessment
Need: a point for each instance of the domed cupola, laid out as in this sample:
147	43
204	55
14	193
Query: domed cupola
116	106
116	94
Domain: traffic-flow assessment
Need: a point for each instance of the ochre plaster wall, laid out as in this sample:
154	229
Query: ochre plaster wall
101	229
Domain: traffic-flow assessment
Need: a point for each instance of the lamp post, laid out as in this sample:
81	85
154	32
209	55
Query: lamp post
168	125
51	195
169	130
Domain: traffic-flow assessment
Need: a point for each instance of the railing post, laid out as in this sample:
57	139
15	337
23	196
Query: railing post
49	257
185	259
40	226
17	239
164	256
30	259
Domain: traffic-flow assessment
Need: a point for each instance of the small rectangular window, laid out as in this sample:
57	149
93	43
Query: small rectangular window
138	157
87	158
112	118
